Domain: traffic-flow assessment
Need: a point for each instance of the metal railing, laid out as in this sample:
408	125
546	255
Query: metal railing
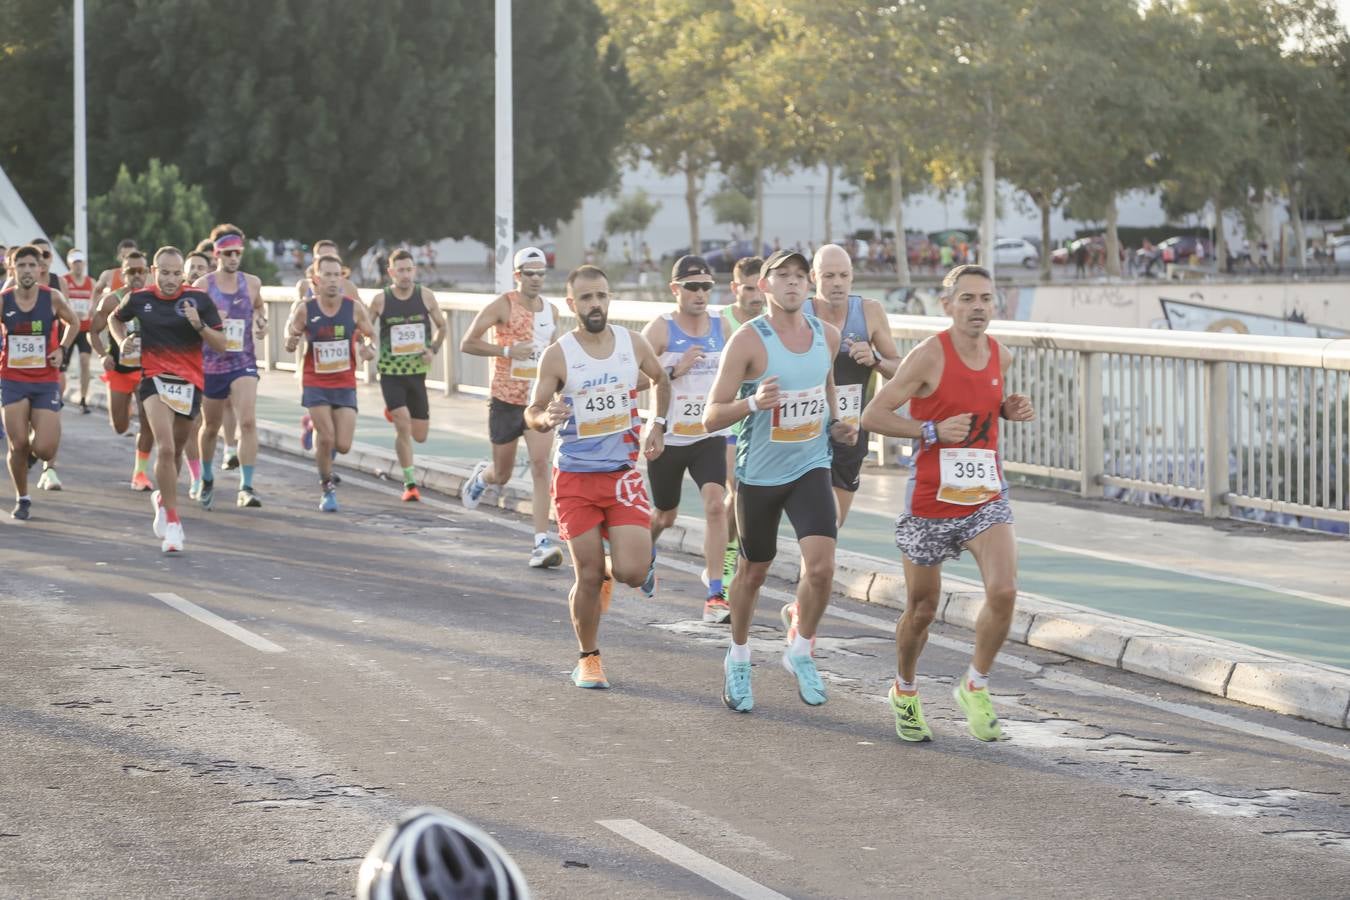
1225	424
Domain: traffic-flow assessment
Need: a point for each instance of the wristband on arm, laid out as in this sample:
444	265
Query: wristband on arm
750	401
930	435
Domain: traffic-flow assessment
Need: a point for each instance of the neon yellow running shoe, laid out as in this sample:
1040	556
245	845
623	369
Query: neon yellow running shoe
909	722
979	709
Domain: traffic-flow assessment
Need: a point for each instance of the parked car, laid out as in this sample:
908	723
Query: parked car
724	258
706	246
1016	252
1177	249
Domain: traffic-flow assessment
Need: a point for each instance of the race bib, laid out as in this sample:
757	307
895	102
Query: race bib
527	369
687	415
602	411
177	395
82	309
849	398
407	339
27	351
969	477
130	355
234	335
799	416
332	356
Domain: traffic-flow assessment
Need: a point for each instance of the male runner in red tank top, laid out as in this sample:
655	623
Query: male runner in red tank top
957	499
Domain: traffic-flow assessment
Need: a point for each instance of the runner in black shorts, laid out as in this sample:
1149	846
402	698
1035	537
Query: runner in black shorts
406	352
689	343
776	374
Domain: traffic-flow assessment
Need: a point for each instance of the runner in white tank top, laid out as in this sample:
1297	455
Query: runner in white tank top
587	384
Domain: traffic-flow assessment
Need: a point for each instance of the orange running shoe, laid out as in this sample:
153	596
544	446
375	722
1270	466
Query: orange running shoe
141	482
411	494
588	673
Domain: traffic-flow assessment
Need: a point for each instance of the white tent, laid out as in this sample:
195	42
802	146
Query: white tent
17	225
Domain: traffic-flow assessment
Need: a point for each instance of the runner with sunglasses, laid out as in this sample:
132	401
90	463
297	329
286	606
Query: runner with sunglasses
232	374
689	343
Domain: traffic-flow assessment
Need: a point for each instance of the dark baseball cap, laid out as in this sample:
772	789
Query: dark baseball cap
689	265
781	256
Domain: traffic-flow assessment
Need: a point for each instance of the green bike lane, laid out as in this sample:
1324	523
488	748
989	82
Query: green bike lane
1240	584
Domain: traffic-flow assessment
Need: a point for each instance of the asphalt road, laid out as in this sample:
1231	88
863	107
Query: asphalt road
415	659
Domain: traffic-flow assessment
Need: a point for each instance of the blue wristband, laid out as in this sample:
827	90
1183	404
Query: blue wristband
930	435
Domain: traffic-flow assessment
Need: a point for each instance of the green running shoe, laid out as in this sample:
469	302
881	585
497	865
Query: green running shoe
979	709
909	721
729	558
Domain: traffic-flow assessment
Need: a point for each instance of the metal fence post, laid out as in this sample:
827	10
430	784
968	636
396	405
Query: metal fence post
1216	439
1090	424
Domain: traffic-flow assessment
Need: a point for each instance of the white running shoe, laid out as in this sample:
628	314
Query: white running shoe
546	555
161	517
471	493
173	538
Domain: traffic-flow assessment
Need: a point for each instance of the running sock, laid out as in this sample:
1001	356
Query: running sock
195	468
245	477
595	652
540	537
170	514
142	463
801	646
905	687
975	681
714	587
25	497
409	478
208	469
740	652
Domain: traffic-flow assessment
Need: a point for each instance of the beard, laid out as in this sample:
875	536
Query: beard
596	322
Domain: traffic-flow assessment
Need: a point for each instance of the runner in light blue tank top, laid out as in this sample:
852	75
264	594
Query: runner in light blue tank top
766	455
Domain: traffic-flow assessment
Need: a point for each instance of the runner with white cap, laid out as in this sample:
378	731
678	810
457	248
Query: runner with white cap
524	324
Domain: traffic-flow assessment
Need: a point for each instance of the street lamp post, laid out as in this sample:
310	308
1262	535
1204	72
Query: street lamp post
81	185
504	224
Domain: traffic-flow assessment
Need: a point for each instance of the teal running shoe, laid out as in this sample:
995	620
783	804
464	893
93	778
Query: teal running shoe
810	687
736	693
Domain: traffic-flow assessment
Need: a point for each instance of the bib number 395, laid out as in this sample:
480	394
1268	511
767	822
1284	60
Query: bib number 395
969	476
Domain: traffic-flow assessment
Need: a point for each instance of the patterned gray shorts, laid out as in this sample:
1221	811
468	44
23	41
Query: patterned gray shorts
927	542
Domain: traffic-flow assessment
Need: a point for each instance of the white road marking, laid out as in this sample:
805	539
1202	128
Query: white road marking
224	626
729	880
1172	570
1053	679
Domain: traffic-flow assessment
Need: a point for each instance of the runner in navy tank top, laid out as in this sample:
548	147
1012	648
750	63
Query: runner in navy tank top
954	383
337	331
30	360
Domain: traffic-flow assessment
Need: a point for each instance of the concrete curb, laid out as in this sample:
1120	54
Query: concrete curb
1225	669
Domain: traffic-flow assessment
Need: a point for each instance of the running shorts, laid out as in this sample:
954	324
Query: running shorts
406	390
506	421
807	500
608	499
705	461
928	542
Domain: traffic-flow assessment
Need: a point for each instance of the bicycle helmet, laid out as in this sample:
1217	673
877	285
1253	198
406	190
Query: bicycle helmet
432	855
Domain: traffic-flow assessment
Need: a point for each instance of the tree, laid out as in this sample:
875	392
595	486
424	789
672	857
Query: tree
678	56
731	207
334	118
631	216
156	208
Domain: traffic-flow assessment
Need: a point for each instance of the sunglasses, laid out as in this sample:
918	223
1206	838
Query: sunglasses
697	285
534	273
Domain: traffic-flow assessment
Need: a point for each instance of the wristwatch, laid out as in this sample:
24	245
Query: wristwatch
660	420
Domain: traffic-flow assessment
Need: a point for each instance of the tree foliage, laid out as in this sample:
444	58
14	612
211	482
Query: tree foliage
632	215
344	119
155	208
